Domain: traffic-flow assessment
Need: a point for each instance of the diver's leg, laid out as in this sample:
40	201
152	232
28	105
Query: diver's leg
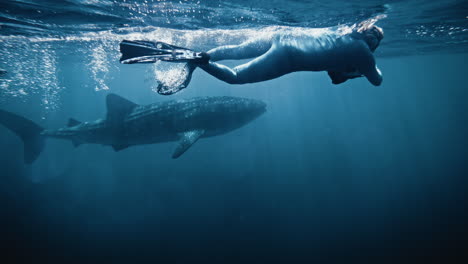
270	65
246	50
243	51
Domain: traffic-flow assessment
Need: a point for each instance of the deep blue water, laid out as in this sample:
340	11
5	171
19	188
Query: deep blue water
329	174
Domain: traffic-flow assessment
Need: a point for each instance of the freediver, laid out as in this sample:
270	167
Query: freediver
343	54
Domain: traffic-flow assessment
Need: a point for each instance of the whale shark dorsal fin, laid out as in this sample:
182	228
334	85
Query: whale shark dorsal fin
73	122
118	107
186	140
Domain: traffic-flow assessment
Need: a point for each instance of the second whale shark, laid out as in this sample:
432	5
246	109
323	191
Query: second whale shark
128	124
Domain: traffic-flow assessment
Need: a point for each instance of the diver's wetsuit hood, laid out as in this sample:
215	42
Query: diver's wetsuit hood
372	36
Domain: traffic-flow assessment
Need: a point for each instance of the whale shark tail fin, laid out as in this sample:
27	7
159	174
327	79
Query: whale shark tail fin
28	131
141	51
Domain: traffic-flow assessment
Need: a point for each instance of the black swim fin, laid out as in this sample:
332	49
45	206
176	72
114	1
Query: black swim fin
141	51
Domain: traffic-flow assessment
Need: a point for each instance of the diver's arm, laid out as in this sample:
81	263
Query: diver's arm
370	70
375	76
341	77
366	65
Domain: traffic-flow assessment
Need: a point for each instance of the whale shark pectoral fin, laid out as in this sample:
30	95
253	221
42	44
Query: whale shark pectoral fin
119	147
118	107
187	139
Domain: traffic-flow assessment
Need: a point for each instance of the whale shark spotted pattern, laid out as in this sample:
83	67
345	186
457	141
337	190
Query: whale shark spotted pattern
128	124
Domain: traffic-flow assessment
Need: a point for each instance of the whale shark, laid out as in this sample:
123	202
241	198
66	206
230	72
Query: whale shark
128	124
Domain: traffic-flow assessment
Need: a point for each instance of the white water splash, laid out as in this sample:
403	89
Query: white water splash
32	70
99	67
170	75
50	83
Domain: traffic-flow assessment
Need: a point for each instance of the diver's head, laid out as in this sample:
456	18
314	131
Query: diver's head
370	33
372	36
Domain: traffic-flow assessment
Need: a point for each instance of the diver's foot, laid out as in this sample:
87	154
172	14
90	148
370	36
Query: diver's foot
203	59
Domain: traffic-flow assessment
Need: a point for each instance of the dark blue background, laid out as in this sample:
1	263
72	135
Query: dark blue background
344	173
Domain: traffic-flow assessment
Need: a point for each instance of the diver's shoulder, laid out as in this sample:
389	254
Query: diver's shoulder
358	45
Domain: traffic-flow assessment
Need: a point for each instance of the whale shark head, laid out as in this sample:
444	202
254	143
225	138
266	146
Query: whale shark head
205	117
250	109
224	114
